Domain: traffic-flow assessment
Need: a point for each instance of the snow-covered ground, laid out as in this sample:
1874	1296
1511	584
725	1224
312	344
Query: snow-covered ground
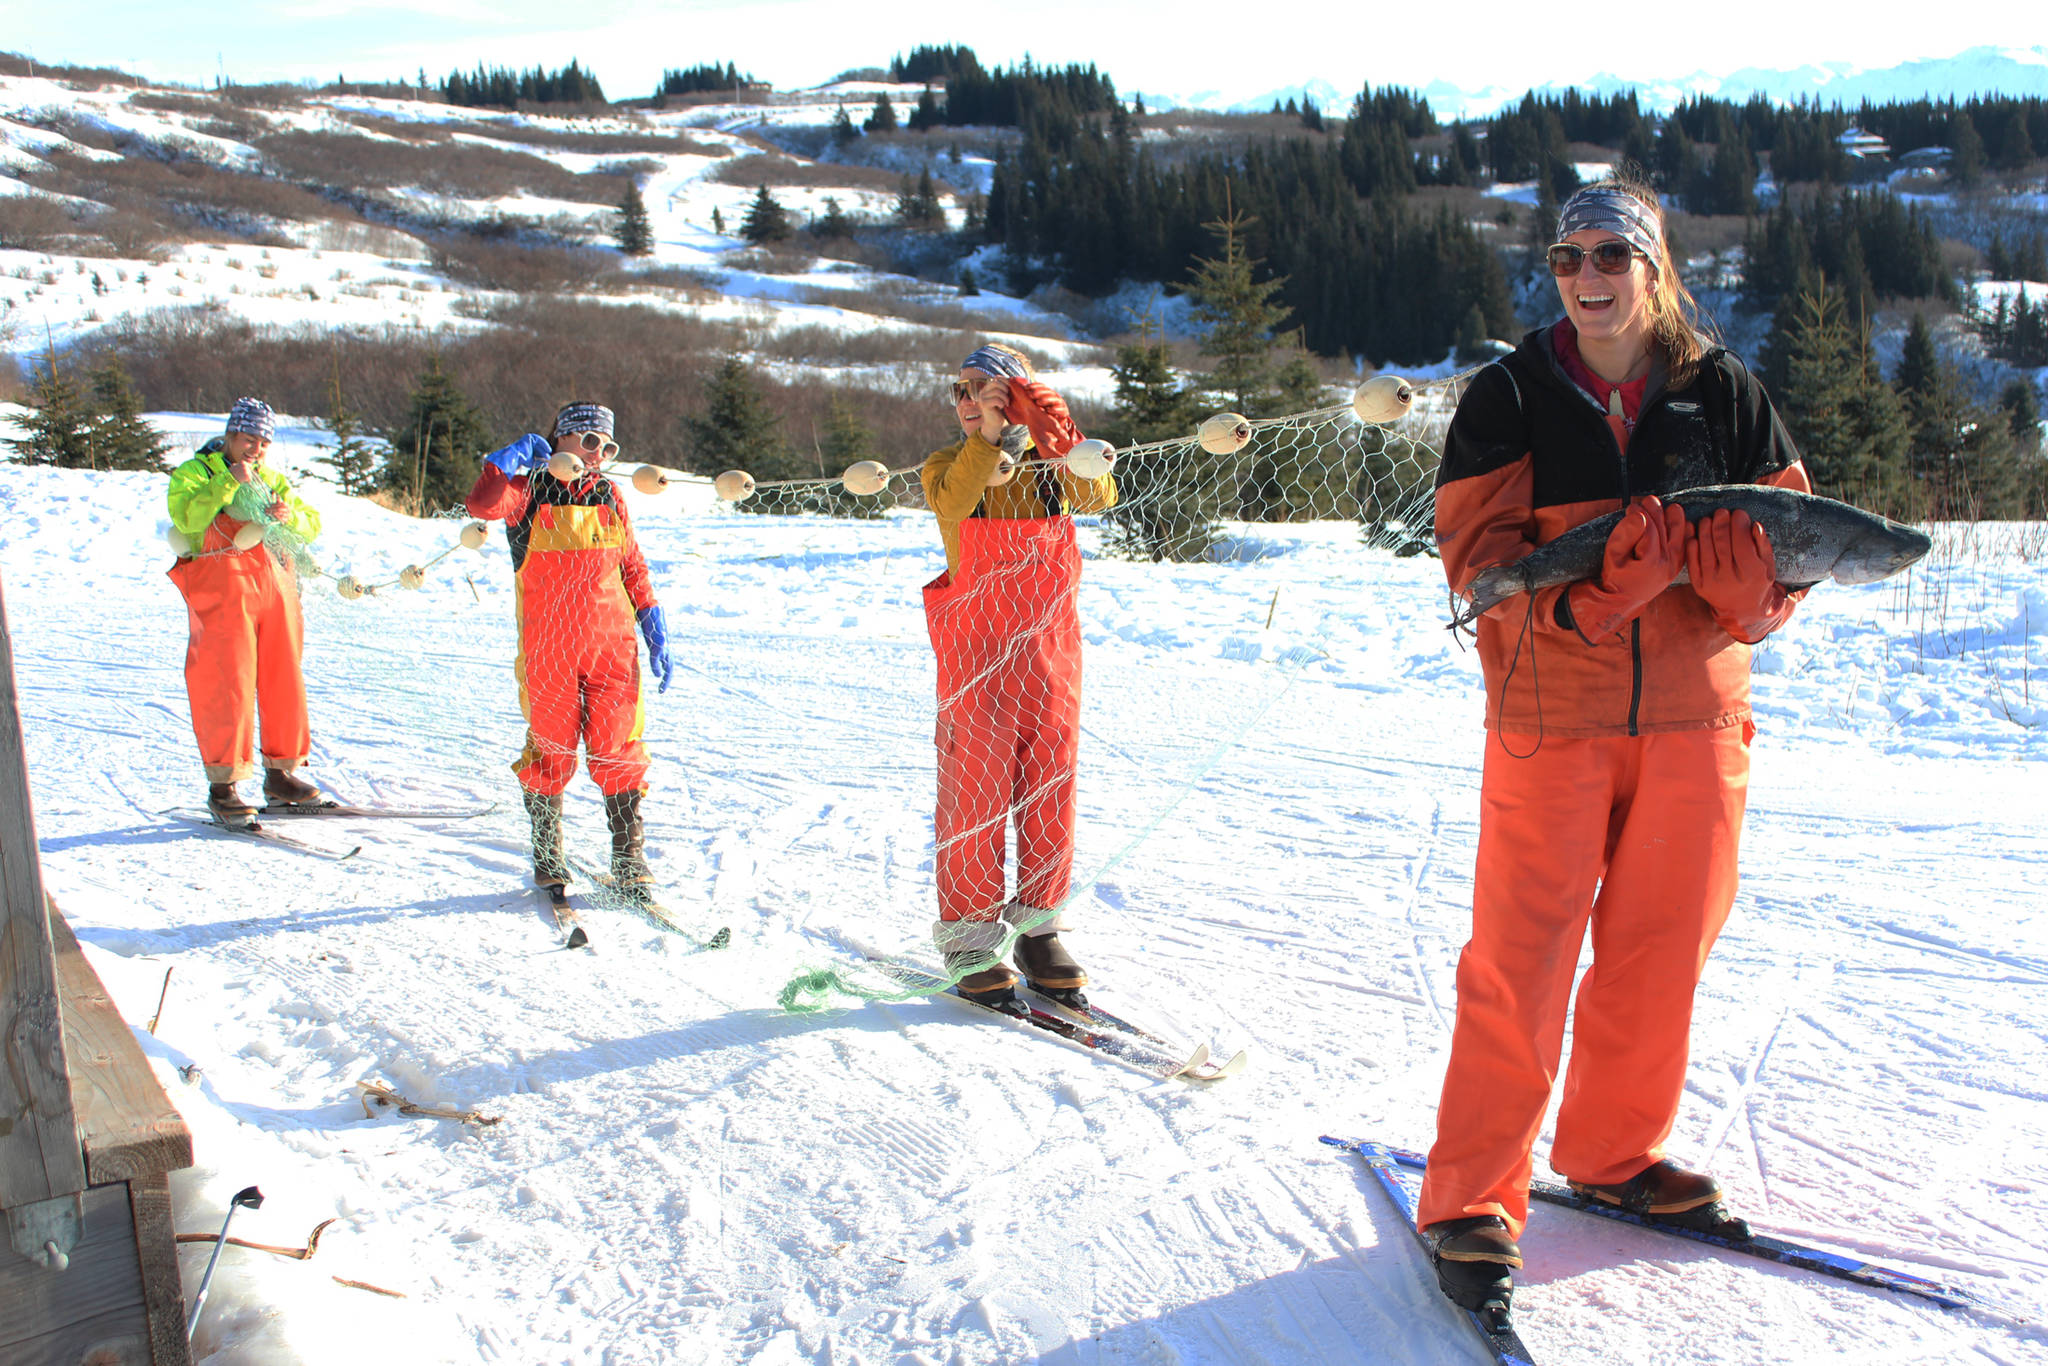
1278	798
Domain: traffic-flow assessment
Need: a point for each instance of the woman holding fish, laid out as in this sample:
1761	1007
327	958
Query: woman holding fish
1614	784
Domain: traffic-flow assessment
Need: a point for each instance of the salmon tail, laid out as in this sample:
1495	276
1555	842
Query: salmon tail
1488	589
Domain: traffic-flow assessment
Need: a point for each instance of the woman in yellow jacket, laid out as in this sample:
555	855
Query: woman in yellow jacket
1007	634
243	606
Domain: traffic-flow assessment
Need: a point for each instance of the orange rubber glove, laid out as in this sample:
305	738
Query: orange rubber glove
1644	553
1036	406
1735	572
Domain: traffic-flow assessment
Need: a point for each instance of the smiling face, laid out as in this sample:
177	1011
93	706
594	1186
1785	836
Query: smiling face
246	446
1608	308
969	394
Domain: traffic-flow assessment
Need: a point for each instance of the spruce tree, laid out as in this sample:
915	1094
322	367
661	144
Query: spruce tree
1848	424
59	426
1241	316
354	465
1170	504
122	440
1965	150
882	118
847	440
843	130
633	233
2022	415
737	430
835	223
438	446
767	221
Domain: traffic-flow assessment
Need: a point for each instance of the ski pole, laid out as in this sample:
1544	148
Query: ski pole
249	1196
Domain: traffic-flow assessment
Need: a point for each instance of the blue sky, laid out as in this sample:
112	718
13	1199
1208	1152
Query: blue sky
1194	46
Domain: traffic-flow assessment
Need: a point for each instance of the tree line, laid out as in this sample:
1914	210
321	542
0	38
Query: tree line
503	88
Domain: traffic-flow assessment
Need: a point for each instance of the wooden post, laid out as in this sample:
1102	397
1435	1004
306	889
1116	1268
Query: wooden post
42	1169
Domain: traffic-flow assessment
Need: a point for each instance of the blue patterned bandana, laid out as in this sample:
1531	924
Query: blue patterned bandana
583	417
1606	209
995	364
252	415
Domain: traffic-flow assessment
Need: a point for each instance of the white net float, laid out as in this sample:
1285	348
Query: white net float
565	466
650	479
1383	399
1005	469
179	542
1091	459
1224	433
473	536
349	587
248	536
412	576
734	486
865	477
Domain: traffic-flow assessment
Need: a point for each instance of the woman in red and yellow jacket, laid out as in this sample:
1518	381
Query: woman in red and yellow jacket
582	585
247	632
1616	774
1007	632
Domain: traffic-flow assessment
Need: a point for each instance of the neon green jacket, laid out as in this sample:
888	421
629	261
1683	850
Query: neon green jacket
202	488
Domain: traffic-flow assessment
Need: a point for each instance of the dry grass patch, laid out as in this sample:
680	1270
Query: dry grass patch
342	163
777	172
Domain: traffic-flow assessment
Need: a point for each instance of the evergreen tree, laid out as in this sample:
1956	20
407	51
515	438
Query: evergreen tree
1848	424
917	202
846	441
717	220
633	233
59	427
882	118
1965	149
927	113
843	130
969	286
767	221
438	448
2015	144
2023	416
835	223
1241	317
354	466
1170	505
737	430
122	439
1919	364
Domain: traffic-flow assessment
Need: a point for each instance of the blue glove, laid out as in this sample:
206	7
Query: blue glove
654	627
523	456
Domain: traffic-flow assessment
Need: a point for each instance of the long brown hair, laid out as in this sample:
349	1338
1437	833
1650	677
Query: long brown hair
1676	323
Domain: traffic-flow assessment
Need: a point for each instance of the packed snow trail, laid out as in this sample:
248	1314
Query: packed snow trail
686	1173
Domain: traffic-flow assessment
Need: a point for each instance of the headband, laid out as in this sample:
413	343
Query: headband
583	417
1606	209
996	364
252	415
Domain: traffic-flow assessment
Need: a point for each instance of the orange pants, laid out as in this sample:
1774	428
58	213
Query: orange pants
1639	835
580	687
246	635
1007	636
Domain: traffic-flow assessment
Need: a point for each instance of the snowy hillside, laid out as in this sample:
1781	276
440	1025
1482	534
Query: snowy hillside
1278	797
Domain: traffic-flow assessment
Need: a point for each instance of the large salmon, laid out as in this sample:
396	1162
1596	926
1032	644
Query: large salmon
1814	538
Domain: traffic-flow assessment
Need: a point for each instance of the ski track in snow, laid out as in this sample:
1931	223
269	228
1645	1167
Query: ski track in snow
685	1173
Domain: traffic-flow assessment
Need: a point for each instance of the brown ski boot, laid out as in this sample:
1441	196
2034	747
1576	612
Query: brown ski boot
1049	968
282	788
550	869
1667	1193
969	949
629	843
1475	1259
227	805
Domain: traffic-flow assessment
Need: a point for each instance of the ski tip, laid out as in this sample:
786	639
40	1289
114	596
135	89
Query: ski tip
722	938
1197	1064
1237	1062
577	939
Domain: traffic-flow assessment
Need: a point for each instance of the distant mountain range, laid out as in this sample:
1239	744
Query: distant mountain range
1975	71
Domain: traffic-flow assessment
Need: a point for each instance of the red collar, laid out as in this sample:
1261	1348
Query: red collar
1564	341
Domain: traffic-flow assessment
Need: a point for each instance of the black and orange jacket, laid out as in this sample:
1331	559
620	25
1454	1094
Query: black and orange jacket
573	550
1529	456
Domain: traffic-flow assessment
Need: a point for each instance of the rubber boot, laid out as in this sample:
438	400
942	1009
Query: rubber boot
629	841
969	949
227	805
550	869
282	788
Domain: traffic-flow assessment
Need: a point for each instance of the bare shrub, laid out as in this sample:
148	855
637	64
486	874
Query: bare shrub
32	223
16	64
894	299
518	269
816	344
339	162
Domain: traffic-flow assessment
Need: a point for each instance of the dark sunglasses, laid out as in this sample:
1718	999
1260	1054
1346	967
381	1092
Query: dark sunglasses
592	442
964	390
1609	258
